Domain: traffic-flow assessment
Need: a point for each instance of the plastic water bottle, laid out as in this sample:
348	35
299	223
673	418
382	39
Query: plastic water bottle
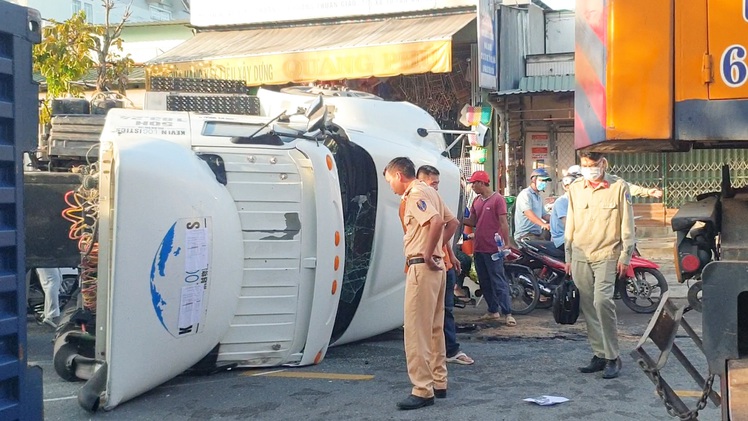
501	253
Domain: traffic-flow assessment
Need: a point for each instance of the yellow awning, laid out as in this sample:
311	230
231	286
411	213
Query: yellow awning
268	56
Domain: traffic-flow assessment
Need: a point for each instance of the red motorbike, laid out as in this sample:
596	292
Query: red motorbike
640	289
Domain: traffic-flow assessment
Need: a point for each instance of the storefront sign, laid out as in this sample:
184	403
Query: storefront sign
487	71
349	63
539	147
241	12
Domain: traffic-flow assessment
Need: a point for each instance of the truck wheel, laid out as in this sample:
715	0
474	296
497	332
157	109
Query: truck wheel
61	361
642	293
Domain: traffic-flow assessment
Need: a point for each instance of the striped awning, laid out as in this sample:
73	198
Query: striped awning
349	50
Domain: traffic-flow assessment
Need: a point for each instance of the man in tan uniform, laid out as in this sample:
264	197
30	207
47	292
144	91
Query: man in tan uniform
428	225
599	243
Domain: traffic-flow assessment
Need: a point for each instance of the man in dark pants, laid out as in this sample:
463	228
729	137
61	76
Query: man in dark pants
430	176
488	216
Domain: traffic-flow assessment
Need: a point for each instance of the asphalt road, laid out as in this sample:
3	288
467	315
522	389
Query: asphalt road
363	381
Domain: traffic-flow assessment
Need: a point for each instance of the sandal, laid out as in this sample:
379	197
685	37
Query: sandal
490	317
460	358
510	320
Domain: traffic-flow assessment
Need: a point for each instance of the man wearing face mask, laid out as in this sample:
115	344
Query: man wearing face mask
530	217
599	243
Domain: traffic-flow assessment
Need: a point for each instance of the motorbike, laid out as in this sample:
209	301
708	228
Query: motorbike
640	288
35	293
523	287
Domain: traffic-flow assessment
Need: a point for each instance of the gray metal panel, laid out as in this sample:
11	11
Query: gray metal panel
47	233
563	83
550	68
711	121
724	296
536	30
559	32
213	45
512	25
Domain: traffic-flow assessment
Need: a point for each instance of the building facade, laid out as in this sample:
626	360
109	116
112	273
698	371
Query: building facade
141	10
535	99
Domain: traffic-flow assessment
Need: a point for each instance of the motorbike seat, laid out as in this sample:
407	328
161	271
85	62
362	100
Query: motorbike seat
547	247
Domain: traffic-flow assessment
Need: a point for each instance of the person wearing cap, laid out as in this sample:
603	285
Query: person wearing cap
560	206
428	224
599	243
488	216
430	175
530	216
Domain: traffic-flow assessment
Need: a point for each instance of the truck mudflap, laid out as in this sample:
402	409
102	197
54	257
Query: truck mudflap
170	266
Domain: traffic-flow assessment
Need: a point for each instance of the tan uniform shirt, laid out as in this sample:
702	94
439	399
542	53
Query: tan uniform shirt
638	191
421	204
600	221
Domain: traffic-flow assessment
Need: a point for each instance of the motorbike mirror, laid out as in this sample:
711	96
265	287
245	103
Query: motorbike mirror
316	114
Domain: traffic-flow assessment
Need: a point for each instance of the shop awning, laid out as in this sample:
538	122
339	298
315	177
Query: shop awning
333	51
540	84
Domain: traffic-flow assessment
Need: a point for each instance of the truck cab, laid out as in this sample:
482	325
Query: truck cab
248	241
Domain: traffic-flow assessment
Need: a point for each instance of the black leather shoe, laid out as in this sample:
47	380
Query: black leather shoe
612	368
595	365
415	402
440	393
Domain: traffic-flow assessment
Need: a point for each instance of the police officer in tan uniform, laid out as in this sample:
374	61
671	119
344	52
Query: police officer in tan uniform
599	243
428	225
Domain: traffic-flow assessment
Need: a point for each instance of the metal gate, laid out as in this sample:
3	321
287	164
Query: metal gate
566	155
682	176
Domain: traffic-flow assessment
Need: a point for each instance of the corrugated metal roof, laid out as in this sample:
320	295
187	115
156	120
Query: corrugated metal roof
540	84
137	75
213	45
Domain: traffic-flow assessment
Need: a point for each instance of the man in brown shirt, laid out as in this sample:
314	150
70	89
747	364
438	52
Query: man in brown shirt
599	243
428	225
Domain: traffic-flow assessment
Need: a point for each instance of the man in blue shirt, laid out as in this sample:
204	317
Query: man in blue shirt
560	206
530	217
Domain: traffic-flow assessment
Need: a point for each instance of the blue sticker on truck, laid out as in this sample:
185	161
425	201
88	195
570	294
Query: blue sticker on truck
179	276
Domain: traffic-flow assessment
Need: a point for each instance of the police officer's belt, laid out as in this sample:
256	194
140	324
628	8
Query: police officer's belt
416	260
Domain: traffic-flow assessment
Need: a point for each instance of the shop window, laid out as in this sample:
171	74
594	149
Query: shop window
88	8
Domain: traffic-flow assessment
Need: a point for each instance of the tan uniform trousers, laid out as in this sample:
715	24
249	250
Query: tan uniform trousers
596	282
425	352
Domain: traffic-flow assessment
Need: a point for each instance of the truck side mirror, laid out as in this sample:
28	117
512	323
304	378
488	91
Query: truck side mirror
316	114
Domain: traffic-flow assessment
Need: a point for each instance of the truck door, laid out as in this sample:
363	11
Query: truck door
728	46
170	264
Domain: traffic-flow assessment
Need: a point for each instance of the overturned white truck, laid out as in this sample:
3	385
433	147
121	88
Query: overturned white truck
249	241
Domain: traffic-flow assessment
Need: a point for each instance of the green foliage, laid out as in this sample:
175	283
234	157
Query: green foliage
64	55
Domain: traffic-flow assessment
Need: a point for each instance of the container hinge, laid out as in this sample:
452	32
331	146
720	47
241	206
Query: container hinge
707	72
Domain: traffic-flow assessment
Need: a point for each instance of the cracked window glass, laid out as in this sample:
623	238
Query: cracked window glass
358	190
